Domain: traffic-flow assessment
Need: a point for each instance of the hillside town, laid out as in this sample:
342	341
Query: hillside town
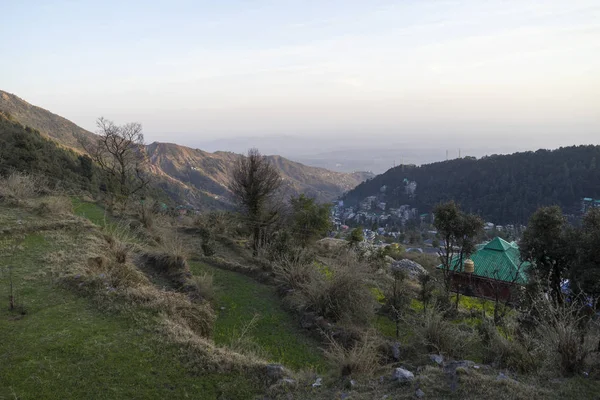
382	225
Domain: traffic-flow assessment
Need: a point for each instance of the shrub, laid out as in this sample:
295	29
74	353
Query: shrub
202	285
208	248
338	291
55	205
343	296
503	347
20	186
147	211
362	358
294	269
568	337
208	244
441	336
173	245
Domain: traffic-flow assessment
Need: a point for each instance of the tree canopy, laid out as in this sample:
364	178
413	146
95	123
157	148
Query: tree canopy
501	188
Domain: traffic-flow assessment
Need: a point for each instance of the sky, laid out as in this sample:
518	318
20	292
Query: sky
428	72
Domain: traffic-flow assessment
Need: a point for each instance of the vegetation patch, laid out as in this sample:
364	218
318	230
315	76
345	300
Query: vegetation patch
239	300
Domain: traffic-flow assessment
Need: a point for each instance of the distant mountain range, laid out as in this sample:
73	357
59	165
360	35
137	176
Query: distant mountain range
189	176
501	188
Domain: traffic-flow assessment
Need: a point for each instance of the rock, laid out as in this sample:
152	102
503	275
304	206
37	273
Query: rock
288	382
453	365
396	351
275	371
419	393
402	375
389	260
437	358
502	377
413	269
308	320
317	383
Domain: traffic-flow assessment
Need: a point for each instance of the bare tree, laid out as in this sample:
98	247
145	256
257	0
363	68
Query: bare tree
254	183
120	153
460	232
496	284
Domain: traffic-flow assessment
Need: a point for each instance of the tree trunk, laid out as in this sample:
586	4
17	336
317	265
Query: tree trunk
255	239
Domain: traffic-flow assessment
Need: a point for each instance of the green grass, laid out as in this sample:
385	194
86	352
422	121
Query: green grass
64	347
91	211
475	304
276	331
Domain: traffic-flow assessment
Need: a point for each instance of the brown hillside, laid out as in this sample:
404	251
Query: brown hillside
189	176
54	126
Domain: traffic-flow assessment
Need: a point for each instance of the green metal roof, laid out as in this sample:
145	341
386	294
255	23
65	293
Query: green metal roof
500	260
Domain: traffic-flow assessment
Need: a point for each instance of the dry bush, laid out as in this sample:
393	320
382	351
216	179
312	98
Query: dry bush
569	339
202	286
217	222
503	347
173	244
20	186
119	231
242	341
55	205
147	210
338	292
362	358
294	268
441	336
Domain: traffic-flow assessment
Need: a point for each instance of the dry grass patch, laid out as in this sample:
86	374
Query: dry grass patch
441	336
362	358
20	186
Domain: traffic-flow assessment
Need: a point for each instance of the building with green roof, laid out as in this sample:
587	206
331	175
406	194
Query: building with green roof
497	267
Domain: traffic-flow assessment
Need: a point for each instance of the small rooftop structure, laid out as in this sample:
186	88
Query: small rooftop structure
496	262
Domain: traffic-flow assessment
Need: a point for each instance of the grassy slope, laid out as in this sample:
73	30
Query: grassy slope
276	332
64	347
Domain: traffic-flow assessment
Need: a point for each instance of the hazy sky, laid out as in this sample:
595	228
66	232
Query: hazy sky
198	70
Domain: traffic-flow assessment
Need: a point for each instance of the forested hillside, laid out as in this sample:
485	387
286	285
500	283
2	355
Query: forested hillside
24	149
500	188
48	124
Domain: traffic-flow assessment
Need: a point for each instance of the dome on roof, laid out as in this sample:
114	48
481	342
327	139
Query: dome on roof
469	266
498	244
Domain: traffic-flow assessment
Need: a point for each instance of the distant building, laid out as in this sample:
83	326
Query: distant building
410	187
497	269
587	203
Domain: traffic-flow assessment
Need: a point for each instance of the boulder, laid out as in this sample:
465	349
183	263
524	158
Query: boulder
402	375
411	268
275	371
437	358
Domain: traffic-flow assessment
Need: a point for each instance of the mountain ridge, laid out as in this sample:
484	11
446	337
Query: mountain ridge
501	188
190	176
